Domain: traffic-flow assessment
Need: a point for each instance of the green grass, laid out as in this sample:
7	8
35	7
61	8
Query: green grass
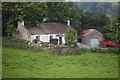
27	64
0	57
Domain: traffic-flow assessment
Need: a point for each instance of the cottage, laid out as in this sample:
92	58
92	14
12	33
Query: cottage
45	32
91	37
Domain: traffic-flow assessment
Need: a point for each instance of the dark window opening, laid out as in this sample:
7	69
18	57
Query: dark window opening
38	37
53	41
79	40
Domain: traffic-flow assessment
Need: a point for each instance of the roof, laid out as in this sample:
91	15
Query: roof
49	28
86	32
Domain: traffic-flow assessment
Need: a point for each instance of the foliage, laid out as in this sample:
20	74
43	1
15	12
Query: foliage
27	64
108	50
76	19
94	21
30	12
59	11
108	8
99	50
12	42
34	12
11	29
70	36
111	32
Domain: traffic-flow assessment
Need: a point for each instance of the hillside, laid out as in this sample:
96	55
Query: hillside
108	8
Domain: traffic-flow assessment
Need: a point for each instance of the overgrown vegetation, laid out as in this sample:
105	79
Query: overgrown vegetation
19	63
50	12
112	31
99	50
12	42
71	36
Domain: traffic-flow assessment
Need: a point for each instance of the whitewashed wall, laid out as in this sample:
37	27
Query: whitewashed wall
46	37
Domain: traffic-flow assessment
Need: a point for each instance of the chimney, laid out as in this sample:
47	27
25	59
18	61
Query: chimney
20	23
68	22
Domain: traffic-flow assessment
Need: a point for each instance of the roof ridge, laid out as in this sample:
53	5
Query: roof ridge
52	23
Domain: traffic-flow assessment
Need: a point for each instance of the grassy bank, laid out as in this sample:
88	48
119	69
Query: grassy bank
19	63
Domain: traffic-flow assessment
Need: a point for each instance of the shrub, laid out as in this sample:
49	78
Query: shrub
13	42
98	50
113	50
70	36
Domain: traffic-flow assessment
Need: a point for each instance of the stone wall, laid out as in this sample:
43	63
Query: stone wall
23	33
93	35
65	51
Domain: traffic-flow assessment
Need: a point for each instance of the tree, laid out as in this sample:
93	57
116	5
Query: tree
92	21
76	18
30	12
59	11
70	36
33	13
111	31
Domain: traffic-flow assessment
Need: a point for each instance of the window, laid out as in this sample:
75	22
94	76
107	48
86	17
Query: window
38	37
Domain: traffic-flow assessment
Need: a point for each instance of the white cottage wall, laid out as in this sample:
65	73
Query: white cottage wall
43	38
63	39
46	37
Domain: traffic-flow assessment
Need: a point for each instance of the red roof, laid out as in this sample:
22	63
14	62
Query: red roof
86	32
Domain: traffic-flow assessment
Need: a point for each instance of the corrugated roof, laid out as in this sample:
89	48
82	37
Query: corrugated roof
49	28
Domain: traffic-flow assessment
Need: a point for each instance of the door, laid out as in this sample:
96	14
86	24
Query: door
60	40
94	43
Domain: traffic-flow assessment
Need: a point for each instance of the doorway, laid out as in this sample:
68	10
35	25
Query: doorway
60	40
94	43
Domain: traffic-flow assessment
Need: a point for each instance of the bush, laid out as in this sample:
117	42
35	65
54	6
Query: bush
98	50
83	50
70	36
113	50
13	42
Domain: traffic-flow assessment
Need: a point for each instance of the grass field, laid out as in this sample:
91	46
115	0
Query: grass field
27	64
